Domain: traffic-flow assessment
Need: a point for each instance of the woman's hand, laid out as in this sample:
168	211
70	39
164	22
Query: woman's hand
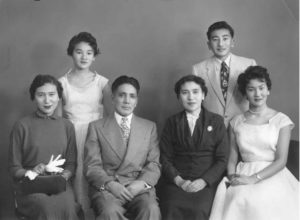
243	180
53	165
39	169
196	185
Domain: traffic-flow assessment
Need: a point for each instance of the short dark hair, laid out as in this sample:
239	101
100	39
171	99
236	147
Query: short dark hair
41	80
190	78
83	37
125	80
217	26
253	72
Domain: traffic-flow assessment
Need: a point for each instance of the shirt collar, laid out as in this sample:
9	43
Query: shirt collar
191	116
227	60
119	117
40	114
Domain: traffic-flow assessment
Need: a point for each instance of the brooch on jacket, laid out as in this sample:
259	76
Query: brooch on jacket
209	128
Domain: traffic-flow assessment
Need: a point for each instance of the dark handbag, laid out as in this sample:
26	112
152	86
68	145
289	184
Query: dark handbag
48	184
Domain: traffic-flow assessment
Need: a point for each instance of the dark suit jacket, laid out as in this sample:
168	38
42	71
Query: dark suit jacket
107	158
203	155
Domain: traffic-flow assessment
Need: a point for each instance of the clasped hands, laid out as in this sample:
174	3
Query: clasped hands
236	180
188	185
128	192
53	166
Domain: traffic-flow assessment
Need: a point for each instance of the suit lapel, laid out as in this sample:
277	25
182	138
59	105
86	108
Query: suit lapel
113	136
232	84
214	81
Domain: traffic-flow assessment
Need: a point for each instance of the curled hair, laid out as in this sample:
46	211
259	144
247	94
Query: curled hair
190	78
41	80
253	72
83	37
125	80
217	26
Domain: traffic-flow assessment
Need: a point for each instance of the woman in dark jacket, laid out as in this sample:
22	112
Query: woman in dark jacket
194	154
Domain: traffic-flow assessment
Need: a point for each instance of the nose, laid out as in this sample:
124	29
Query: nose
190	96
257	92
220	42
126	99
47	99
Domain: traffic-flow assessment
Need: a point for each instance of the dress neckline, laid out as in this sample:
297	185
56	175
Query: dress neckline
80	87
267	123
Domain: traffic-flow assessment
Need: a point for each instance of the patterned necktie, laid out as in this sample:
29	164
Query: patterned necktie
125	129
224	77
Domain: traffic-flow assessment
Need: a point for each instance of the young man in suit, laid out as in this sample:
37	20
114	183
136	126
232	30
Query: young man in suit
122	159
221	71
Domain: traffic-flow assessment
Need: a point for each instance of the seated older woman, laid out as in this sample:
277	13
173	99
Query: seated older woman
43	144
194	153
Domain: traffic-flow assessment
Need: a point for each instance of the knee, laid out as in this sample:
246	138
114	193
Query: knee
108	210
148	207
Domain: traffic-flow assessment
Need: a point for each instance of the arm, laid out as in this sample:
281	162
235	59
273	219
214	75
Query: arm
107	101
71	153
17	138
277	165
167	154
93	165
215	172
151	170
233	155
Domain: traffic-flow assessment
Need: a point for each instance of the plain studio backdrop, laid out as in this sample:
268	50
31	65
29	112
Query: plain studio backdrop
156	41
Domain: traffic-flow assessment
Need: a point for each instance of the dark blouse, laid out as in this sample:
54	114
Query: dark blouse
202	155
35	138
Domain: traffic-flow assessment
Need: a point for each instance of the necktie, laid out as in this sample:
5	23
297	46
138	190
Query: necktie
224	77
125	129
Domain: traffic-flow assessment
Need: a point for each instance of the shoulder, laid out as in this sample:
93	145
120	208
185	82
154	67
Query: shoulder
102	80
245	60
236	120
144	122
213	117
282	120
202	64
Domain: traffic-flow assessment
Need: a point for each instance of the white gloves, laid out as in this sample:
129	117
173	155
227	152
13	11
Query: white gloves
53	165
31	174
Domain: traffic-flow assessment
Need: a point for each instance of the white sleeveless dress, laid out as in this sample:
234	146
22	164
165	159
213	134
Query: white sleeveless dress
275	198
81	105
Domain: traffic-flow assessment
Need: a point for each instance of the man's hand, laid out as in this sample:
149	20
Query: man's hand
136	187
119	191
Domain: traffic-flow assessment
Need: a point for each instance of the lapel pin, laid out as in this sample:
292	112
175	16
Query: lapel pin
209	128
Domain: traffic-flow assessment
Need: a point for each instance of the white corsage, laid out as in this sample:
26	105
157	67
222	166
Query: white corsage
209	128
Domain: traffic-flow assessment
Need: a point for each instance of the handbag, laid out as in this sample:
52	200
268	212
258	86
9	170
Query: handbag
48	184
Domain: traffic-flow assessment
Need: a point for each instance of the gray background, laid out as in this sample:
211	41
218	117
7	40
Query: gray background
156	41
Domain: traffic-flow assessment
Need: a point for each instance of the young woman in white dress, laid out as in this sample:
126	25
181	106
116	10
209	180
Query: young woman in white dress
86	97
258	185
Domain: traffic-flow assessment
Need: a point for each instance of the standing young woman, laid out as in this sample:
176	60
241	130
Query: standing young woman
85	99
259	186
35	140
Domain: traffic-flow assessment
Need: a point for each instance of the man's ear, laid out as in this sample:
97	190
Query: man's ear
208	45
